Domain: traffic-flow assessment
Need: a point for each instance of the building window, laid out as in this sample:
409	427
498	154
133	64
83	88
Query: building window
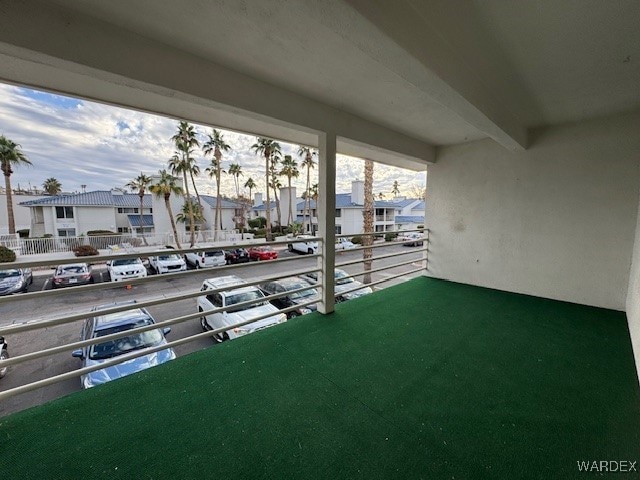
379	211
64	212
127	210
338	212
124	230
379	228
338	229
67	232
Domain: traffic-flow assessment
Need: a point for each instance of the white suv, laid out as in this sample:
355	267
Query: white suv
303	244
210	257
121	269
167	262
236	291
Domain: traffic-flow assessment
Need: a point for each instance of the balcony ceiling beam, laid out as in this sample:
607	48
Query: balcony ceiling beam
45	46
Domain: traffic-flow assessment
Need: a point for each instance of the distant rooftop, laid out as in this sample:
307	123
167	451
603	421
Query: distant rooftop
99	198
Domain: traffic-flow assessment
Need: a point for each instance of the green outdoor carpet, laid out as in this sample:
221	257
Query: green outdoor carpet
428	379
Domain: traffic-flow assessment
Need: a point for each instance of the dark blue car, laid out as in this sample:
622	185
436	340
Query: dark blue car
112	323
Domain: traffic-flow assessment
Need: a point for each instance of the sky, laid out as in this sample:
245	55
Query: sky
79	142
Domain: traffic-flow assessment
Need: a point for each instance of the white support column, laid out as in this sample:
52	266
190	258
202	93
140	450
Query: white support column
326	207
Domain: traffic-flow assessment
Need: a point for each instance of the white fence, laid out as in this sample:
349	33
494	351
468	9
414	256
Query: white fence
35	246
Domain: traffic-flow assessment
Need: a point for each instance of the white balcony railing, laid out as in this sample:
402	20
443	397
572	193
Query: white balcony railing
75	314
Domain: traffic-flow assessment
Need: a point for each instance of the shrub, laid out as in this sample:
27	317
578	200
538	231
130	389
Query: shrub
258	222
390	237
97	233
356	240
85	250
6	254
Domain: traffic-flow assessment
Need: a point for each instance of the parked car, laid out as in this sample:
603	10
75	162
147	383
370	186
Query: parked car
15	280
344	282
210	257
262	252
235	291
4	354
287	284
237	255
344	244
71	275
122	269
167	263
303	244
411	239
110	323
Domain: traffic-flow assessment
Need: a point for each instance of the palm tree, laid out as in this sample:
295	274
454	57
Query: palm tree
367	213
250	184
290	170
140	183
381	196
215	145
165	186
267	148
11	156
182	162
183	216
395	191
235	170
52	186
308	163
276	185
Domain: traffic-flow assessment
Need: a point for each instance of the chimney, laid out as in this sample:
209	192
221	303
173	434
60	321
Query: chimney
357	192
257	199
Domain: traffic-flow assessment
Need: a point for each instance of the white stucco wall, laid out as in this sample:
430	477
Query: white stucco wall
21	215
557	220
94	218
633	297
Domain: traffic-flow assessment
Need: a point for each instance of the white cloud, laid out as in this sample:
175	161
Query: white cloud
100	146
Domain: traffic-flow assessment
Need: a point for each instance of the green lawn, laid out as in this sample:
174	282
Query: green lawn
429	379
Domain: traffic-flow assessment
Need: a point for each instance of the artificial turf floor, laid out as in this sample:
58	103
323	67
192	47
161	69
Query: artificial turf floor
428	379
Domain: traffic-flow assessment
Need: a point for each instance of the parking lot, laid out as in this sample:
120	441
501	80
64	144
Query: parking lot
77	300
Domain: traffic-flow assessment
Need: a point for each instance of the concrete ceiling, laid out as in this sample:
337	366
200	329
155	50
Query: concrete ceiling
434	72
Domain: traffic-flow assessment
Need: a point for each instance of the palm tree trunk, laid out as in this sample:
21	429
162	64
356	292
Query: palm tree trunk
290	219
192	232
144	239
307	201
268	204
173	222
10	217
195	189
367	240
217	220
275	195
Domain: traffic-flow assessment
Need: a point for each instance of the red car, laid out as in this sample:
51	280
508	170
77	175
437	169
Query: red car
262	253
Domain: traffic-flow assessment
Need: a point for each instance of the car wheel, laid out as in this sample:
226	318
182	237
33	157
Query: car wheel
203	322
293	315
3	356
310	251
290	247
198	267
221	337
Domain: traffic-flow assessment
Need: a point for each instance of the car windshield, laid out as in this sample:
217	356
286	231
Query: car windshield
125	261
246	296
9	273
171	256
342	278
215	253
299	295
136	341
